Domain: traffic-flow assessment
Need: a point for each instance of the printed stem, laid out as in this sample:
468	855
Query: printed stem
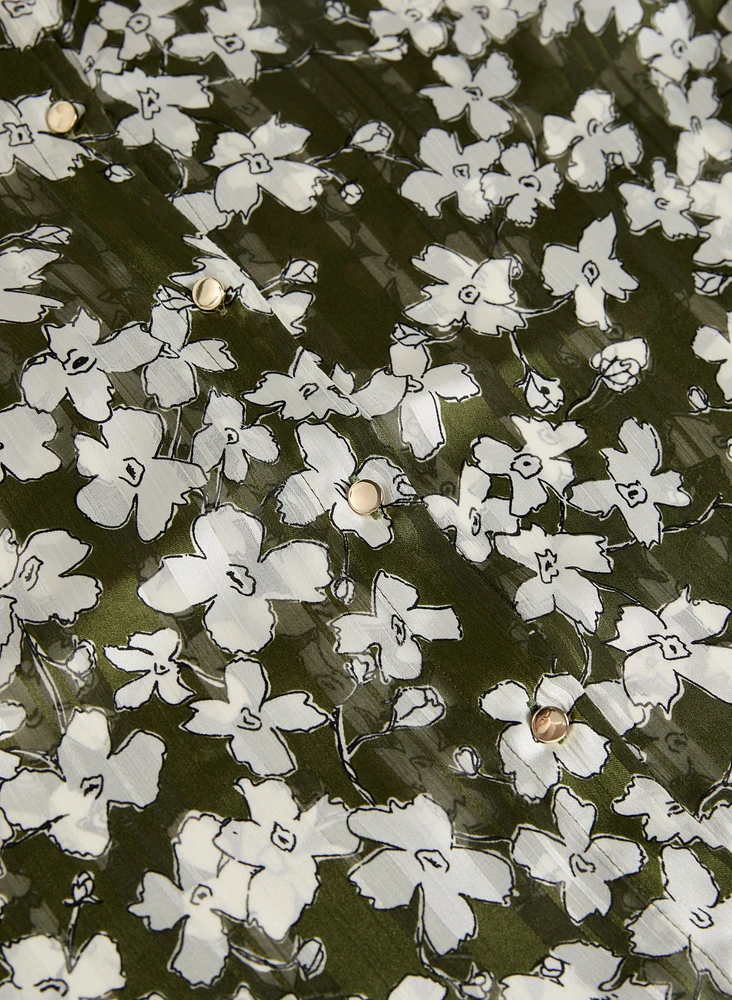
255	961
518	113
359	741
518	352
316	161
343	753
177	428
73	919
548	309
586	653
346	553
312	50
586	398
47	680
206	678
396	159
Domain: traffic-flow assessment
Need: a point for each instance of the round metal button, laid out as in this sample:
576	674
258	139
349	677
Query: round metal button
549	725
364	496
63	116
208	294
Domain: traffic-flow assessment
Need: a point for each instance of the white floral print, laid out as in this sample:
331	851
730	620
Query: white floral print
474	93
24	139
154	656
39	965
418	852
226	440
523	186
20	271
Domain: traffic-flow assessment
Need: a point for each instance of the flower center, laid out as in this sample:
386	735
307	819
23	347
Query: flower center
462	170
399	629
672	648
413	14
695	125
229	43
248	720
474	93
200	895
700	918
52	986
547	565
527	466
138	23
482	11
633	493
77	363
257	163
29	572
469	294
591	272
661	204
308	389
475	521
133	471
594	126
283	838
241	580
232	435
92	786
20	135
149	105
432	861
530	181
161	668
580	865
678	48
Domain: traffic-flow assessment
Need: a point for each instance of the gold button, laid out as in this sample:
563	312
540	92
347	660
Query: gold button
365	496
208	294
549	725
62	116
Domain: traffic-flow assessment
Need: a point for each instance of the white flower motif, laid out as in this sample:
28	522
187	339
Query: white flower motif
544	395
284	844
305	391
94	56
619	365
628	15
724	17
556	561
595	141
225	439
208	887
536	767
479	295
420	419
323	487
690	917
670	47
24	138
534	467
71	804
714	346
128	473
474	93
413	17
524	185
154	656
589	273
20	271
237	584
393	626
668	646
77	365
475	517
251	164
416	988
582	865
172	376
663	819
702	134
582	971
480	22
665	203
25	21
159	101
234	35
150	23
252	722
39	965
713	200
451	170
24	437
636	488
418	852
